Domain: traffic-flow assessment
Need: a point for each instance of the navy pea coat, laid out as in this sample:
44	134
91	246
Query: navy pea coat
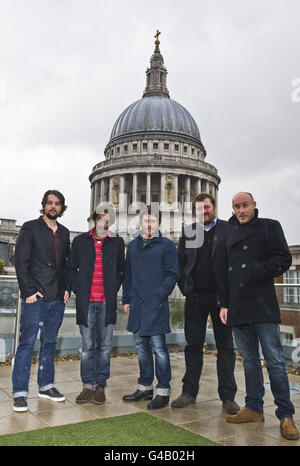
255	253
151	273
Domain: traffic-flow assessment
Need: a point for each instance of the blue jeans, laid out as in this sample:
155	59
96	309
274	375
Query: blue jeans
247	340
144	346
96	347
46	317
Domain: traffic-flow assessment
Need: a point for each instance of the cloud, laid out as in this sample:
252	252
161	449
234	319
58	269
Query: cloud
70	68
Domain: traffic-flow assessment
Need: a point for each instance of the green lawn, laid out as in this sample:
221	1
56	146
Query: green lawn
139	429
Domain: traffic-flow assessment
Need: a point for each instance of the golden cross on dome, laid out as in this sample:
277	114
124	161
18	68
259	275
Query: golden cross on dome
157	41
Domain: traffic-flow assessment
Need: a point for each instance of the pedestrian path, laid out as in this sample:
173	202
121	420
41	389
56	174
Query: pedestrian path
206	417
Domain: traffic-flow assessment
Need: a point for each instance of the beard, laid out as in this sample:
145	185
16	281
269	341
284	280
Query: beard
52	216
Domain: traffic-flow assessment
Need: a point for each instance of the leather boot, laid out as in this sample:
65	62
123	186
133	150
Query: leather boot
288	428
139	395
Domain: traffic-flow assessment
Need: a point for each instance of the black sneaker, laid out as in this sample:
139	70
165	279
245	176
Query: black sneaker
52	394
20	404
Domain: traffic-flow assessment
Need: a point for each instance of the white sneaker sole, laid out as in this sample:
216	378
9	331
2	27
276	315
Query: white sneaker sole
51	397
20	410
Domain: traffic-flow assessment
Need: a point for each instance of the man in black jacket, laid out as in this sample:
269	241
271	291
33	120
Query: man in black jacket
197	262
95	270
42	249
255	251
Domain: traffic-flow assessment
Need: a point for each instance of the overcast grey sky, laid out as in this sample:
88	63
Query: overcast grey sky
68	68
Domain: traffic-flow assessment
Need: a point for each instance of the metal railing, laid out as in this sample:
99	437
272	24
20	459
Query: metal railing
17	297
18	314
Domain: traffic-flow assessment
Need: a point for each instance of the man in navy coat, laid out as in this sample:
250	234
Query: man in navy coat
151	272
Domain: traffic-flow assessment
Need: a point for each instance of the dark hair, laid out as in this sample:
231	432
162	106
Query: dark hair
202	196
150	210
59	195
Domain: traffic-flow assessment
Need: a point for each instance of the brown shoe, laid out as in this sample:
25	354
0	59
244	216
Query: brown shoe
288	428
182	401
231	407
99	395
85	396
246	415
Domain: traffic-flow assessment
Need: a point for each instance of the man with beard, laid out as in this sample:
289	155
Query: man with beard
42	248
198	261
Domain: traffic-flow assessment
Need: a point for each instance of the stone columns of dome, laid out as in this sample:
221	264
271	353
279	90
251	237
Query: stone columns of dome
102	190
162	190
188	207
134	188
198	185
216	197
122	204
176	190
110	195
148	189
206	186
92	200
96	194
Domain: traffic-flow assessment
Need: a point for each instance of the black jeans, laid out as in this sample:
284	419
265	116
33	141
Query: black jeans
196	314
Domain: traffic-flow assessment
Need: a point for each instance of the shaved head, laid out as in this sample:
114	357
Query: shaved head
244	205
243	193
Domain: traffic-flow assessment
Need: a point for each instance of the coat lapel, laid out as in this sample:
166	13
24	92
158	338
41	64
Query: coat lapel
240	234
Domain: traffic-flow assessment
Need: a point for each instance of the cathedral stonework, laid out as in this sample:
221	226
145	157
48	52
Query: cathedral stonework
154	155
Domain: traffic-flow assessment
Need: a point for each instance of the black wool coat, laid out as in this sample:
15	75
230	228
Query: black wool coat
80	273
252	255
35	263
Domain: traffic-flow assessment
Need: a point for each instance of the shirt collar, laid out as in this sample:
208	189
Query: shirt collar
210	226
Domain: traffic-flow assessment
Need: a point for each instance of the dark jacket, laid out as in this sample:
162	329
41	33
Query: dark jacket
81	269
151	273
35	262
187	255
255	253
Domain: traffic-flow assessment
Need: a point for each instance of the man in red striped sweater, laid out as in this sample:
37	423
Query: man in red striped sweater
96	272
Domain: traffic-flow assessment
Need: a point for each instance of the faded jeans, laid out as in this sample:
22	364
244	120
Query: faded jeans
268	335
96	347
47	317
144	346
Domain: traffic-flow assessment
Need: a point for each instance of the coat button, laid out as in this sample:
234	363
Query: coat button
141	300
244	266
229	269
245	247
241	285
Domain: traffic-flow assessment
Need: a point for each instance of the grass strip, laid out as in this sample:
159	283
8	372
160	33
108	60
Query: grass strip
138	429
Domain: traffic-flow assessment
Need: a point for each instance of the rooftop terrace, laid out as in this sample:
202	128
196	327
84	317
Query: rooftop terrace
206	417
